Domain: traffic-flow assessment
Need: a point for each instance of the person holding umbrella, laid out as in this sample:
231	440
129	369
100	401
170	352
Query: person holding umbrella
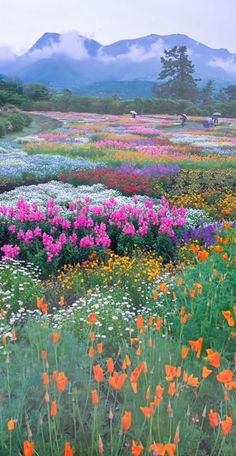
184	119
215	118
133	114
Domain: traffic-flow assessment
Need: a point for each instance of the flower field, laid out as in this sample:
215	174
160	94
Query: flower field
117	288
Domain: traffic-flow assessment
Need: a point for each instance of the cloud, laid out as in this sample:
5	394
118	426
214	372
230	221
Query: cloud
6	54
136	53
70	44
228	65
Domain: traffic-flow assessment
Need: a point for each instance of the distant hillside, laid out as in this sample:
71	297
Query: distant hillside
71	60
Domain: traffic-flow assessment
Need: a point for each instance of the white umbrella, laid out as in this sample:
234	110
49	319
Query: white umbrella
184	115
133	112
216	114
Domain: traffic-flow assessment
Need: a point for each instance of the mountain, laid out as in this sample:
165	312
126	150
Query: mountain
72	60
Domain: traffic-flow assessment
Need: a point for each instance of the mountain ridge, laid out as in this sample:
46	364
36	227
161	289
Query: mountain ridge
70	59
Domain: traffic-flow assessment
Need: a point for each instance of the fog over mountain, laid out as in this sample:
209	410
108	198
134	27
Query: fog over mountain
72	60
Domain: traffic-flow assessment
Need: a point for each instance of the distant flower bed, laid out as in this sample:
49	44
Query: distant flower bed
127	183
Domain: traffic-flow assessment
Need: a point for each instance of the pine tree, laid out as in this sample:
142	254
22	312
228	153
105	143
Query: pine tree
207	94
177	72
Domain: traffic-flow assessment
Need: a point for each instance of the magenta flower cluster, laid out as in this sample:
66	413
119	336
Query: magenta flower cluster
86	226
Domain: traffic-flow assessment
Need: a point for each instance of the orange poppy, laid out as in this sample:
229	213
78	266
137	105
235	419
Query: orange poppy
202	255
92	336
213	358
45	378
213	418
225	376
196	346
206	372
44	355
62	382
126	421
147	411
158	324
192	293
117	381
158	448
100	347
28	448
11	425
170	449
55	337
151	319
184	352
185	318
54	408
162	287
139	351
148	394
139	321
228	317
95	397
68	449
98	373
110	365
100	445
62	301
171	390
92	319
226	426
170	372
54	376
126	362
91	353
154	295
136	449
180	281
193	381
46	397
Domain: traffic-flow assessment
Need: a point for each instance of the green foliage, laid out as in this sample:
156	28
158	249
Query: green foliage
177	72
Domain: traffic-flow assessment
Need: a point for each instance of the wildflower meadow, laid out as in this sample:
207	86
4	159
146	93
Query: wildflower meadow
117	288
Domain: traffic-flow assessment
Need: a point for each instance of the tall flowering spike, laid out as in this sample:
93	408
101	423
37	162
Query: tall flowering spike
126	421
68	449
28	448
98	373
136	449
226	426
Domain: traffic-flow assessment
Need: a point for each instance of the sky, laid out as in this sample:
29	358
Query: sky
211	22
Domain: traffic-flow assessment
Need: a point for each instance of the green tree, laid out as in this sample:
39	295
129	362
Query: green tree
37	92
228	93
177	74
207	94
